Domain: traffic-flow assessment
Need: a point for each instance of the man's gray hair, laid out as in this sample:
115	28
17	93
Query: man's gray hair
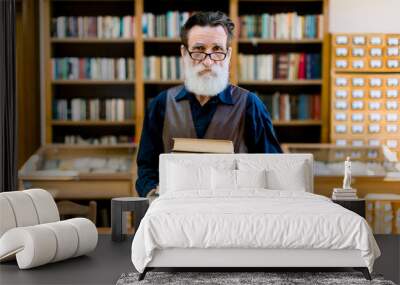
212	19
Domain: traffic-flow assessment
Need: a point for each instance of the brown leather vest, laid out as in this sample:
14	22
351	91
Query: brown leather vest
227	122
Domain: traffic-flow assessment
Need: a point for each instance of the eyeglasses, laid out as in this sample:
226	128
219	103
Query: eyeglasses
200	56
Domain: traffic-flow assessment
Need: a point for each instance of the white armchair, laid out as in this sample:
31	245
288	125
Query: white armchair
31	230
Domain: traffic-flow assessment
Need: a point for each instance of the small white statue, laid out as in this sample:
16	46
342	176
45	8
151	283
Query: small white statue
347	174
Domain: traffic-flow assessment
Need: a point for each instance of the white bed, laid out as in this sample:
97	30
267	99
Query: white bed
248	210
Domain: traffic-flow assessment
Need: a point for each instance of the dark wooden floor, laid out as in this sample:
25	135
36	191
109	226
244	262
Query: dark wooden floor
102	266
111	259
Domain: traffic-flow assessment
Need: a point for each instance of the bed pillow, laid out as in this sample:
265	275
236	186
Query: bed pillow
251	178
188	177
237	179
279	180
223	179
192	173
282	174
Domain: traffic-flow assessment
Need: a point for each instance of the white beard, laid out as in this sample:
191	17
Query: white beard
209	84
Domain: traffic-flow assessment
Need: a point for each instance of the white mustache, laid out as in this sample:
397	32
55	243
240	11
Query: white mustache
213	70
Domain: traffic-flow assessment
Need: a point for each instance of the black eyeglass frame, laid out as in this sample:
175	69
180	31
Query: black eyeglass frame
206	54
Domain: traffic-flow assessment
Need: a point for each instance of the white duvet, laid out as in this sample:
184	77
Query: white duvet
255	218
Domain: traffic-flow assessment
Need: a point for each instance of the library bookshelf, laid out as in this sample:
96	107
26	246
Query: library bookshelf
139	44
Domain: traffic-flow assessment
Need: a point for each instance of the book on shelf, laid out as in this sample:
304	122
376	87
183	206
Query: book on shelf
164	25
106	27
202	145
281	26
280	66
73	68
78	109
283	106
163	68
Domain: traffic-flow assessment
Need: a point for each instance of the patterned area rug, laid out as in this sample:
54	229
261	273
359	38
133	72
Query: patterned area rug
230	278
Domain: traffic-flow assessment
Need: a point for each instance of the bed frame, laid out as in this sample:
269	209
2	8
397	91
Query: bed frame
242	259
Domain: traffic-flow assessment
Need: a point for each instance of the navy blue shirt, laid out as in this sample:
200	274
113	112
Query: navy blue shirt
258	131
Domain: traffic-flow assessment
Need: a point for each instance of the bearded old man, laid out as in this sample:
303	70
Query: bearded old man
206	106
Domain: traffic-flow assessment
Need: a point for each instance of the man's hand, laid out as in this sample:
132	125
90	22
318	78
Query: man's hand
153	194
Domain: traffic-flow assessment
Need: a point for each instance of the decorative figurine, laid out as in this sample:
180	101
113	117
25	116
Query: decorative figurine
347	174
346	192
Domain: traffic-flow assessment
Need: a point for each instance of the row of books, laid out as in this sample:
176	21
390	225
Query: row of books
268	26
290	66
164	25
77	109
93	68
287	26
97	27
103	140
164	67
293	107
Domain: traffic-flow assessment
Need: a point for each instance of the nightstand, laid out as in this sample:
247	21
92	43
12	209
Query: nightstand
137	205
356	205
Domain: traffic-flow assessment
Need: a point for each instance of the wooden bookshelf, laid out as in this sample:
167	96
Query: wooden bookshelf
92	82
297	123
296	1
258	45
162	40
139	86
163	82
112	146
93	123
92	41
256	41
85	47
281	82
140	46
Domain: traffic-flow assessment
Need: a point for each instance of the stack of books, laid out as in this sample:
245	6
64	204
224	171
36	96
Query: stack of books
344	194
